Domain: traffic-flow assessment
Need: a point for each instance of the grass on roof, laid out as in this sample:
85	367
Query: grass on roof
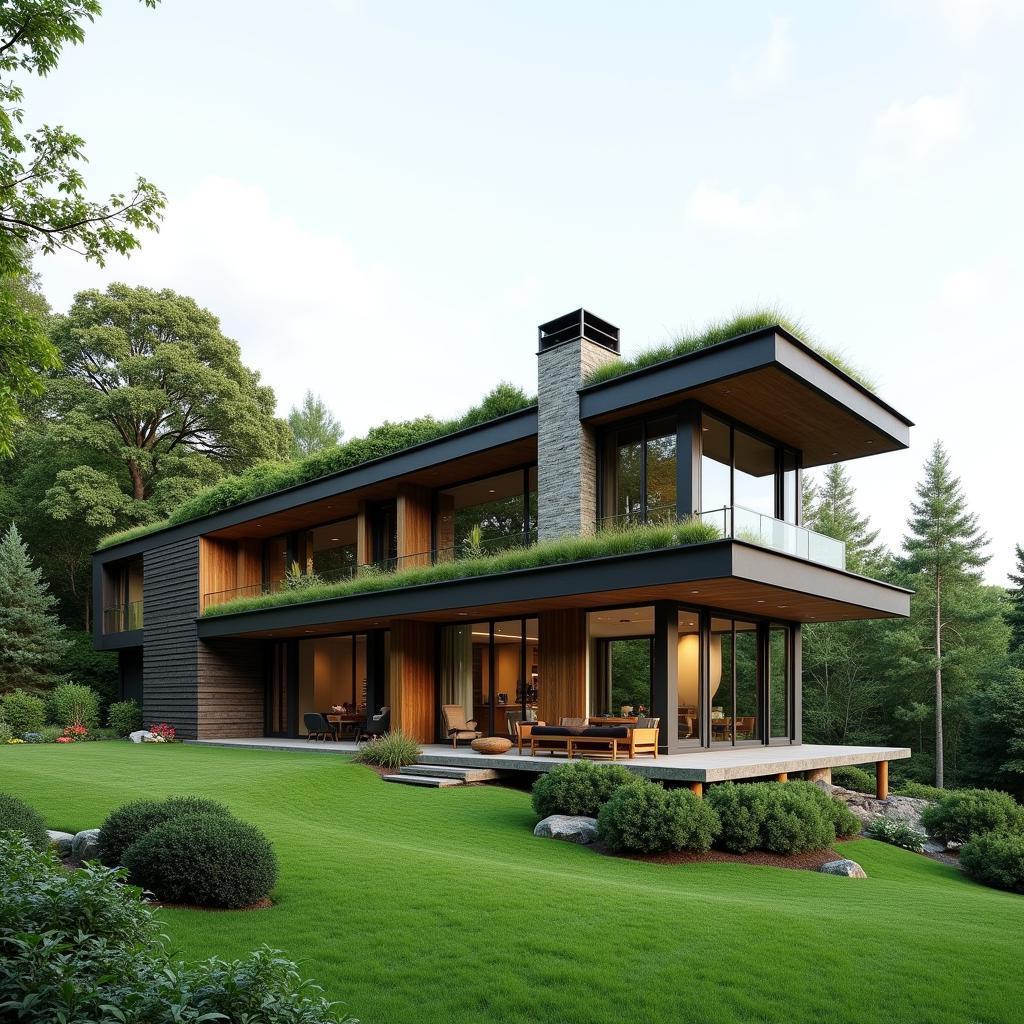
717	331
419	906
551	552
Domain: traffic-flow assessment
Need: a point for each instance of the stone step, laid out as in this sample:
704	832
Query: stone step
451	772
433	781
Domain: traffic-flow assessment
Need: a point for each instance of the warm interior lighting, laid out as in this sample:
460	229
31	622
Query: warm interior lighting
688	677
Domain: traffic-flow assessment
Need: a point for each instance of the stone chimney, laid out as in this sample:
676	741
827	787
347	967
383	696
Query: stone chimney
570	348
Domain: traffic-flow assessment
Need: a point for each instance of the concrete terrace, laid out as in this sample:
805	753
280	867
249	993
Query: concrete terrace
697	766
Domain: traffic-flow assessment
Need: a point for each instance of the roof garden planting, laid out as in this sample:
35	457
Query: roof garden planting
628	540
386	439
717	331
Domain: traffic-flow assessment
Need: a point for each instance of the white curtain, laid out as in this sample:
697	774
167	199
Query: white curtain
457	667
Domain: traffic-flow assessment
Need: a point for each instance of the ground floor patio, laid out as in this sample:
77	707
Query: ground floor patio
698	767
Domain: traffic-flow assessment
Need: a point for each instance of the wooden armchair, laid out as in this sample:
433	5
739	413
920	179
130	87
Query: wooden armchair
457	726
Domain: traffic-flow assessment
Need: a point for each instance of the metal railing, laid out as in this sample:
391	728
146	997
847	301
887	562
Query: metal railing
436	556
123	617
767	531
654	515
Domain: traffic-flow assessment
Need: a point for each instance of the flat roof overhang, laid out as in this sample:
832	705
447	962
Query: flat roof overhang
729	575
491	447
769	380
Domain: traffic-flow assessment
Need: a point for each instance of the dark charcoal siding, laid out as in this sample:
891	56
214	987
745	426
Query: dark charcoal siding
231	688
169	671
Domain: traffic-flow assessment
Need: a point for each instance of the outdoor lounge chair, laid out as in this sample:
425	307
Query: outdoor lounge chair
317	727
554	739
613	741
457	726
376	725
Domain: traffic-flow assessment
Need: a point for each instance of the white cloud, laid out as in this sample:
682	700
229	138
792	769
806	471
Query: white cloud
966	20
966	287
769	212
768	66
907	134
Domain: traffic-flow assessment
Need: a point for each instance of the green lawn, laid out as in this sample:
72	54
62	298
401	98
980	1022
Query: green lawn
423	905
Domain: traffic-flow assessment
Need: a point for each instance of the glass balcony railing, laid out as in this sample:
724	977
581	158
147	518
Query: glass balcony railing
123	618
766	531
437	556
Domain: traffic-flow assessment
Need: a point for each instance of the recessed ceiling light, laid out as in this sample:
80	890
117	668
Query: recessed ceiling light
783	605
694	591
463	613
760	600
490	490
335	538
869	441
834	454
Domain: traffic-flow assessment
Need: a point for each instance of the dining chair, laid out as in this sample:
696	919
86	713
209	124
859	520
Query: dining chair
317	726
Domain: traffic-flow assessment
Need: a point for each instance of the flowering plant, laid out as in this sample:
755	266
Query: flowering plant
15	739
164	731
64	739
73	733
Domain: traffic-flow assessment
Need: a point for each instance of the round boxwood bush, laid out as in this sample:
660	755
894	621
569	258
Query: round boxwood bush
996	859
578	787
23	712
643	817
849	776
785	818
18	816
209	860
962	814
133	820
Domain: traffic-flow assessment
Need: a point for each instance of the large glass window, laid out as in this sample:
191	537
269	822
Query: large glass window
778	681
332	677
748	714
275	562
330	551
487	515
753	474
639	473
688	677
621	675
720	681
715	465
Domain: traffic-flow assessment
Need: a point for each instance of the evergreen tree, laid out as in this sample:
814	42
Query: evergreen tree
1015	610
313	426
944	554
32	640
835	515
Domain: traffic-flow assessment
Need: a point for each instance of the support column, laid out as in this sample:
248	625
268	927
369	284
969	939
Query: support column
882	780
782	777
665	670
820	775
562	659
413	703
697	788
688	447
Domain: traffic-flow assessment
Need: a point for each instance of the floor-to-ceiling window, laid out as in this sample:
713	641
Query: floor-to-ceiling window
332	676
490	670
779	674
330	550
490	514
621	661
688	676
638	476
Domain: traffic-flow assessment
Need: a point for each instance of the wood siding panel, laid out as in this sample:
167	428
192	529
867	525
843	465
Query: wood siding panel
413	697
169	670
562	665
227	564
231	688
415	506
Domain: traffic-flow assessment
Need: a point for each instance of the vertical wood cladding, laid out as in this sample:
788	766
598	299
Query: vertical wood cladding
414	520
412	679
170	662
203	689
227	564
562	655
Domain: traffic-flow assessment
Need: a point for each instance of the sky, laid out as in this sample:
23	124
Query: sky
381	201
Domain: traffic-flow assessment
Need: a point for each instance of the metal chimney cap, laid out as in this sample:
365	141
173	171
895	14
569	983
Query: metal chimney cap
578	324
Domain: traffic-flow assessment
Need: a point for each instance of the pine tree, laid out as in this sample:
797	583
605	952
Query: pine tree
836	515
1015	611
943	559
313	426
32	639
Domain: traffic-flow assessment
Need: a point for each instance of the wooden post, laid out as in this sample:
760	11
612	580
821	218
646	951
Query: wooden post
782	777
819	775
697	788
882	780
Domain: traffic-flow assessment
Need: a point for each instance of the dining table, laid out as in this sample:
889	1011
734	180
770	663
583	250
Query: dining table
346	721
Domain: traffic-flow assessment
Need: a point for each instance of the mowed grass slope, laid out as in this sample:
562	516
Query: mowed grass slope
424	906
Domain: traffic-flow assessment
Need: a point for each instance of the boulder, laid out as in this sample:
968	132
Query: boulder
140	736
61	842
866	807
845	868
86	845
571	828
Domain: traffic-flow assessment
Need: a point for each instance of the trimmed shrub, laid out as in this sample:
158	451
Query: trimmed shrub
6	732
962	814
996	859
578	787
849	776
393	750
644	817
23	712
103	957
18	816
133	820
72	704
210	860
896	832
784	818
919	791
124	717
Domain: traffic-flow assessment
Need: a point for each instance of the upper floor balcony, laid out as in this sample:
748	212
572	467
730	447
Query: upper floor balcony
124	617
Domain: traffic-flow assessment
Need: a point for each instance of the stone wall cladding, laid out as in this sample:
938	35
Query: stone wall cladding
566	449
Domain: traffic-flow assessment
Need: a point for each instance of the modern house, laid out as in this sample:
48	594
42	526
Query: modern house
707	634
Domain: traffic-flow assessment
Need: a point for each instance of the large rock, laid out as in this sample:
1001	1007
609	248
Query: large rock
140	736
845	868
86	845
572	828
866	807
61	842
